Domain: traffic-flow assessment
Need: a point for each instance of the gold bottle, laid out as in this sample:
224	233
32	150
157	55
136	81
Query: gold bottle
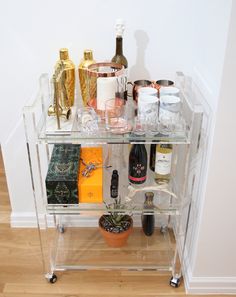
69	75
86	61
64	87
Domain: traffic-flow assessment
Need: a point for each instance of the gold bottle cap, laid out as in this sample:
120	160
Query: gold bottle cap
64	55
88	54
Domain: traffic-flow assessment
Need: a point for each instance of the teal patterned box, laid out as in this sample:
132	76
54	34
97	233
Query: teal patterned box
62	175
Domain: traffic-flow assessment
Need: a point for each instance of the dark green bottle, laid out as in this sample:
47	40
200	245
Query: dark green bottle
119	57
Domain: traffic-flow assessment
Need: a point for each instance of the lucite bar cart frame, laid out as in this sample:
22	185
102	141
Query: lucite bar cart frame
56	222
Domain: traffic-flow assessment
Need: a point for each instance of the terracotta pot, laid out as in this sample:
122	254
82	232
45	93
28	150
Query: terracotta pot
115	239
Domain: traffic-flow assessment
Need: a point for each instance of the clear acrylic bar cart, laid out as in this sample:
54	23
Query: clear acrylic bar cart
69	236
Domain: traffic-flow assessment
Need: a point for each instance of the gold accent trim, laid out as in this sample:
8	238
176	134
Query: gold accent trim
118	69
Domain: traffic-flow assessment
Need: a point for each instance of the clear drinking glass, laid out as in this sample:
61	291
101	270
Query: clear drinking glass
115	116
148	109
169	114
87	120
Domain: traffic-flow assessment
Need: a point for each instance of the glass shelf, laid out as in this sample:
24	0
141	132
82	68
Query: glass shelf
45	128
84	208
91	252
105	137
180	134
165	203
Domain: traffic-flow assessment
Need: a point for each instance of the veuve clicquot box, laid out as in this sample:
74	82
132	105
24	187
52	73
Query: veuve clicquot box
62	175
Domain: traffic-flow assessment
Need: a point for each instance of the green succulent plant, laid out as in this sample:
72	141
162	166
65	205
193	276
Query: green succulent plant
116	218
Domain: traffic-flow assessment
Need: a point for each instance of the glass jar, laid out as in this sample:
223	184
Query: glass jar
105	81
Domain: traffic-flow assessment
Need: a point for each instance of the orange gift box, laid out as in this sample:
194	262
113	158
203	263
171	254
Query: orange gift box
90	188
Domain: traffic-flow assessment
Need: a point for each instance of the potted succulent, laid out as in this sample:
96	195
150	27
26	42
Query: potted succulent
115	226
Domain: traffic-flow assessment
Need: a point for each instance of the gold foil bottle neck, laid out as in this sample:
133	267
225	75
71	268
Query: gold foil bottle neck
88	55
64	55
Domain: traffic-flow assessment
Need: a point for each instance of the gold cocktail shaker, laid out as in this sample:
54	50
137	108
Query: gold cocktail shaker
69	79
64	87
86	61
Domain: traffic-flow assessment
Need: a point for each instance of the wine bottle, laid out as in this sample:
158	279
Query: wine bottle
86	61
138	164
114	184
152	157
163	163
119	57
148	219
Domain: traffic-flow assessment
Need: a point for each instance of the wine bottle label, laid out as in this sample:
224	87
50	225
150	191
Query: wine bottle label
137	179
163	163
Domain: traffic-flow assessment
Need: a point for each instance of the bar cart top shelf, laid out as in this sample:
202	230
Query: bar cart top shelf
38	110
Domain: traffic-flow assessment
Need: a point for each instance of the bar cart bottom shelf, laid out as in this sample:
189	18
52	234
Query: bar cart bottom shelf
85	249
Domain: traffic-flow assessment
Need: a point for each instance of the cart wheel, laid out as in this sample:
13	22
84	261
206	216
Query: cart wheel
61	228
53	279
175	282
163	229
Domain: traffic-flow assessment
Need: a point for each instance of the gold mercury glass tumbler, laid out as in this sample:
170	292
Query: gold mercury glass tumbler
86	61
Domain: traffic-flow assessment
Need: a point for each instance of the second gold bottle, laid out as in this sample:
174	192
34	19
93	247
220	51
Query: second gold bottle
86	61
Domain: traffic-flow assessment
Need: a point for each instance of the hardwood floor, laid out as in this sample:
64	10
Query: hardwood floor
21	269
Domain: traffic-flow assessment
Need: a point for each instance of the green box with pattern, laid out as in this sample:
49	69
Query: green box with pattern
62	175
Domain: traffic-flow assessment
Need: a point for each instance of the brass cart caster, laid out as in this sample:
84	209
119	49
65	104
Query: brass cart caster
51	277
175	282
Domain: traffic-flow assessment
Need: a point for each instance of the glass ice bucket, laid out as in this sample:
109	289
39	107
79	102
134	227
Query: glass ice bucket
105	81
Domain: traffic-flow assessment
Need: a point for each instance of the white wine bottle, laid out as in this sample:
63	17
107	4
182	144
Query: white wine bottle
163	158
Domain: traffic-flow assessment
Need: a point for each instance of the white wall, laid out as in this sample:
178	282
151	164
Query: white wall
33	32
215	259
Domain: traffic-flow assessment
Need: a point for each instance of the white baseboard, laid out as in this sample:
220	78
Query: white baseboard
23	220
210	285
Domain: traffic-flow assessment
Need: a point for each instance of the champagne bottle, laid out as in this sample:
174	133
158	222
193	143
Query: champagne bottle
163	163
138	164
86	61
69	69
119	57
148	220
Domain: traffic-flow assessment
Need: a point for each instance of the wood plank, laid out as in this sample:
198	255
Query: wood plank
101	294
